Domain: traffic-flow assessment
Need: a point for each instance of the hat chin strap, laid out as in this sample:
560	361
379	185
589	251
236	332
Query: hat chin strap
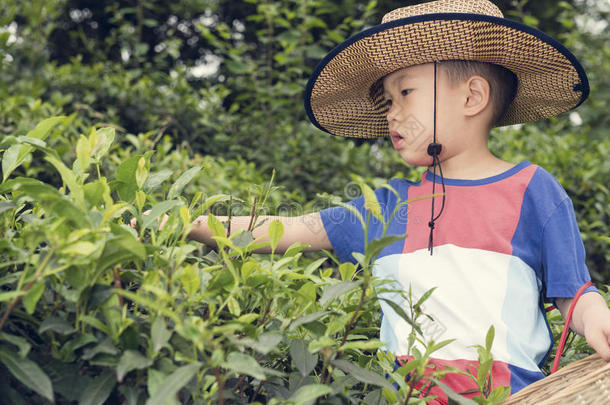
434	149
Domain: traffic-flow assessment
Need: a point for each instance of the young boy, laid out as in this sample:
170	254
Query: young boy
436	77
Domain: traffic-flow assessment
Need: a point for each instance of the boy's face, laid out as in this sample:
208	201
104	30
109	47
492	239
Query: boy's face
410	95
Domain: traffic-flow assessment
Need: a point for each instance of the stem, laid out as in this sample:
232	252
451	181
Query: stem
117	283
17	300
352	322
220	384
252	213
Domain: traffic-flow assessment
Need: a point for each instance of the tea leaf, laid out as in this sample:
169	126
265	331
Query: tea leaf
83	153
302	358
155	180
185	178
363	375
159	210
458	399
370	202
98	390
28	373
159	334
307	393
69	180
55	324
141	173
276	231
104	138
33	295
23	345
489	339
131	360
401	312
243	364
335	290
307	318
166	391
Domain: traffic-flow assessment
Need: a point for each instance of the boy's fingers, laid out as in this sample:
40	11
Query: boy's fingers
600	342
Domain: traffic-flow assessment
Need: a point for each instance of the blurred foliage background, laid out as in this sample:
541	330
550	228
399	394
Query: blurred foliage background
222	82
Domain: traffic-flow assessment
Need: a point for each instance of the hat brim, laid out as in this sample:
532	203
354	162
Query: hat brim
340	99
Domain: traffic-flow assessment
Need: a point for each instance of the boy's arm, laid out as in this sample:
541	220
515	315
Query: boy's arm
306	229
591	319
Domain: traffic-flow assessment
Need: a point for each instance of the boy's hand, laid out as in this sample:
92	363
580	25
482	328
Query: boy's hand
133	223
597	330
591	319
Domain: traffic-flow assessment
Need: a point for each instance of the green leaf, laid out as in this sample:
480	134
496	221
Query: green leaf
33	295
376	246
141	173
131	360
55	324
98	390
243	364
159	210
423	298
458	399
166	391
6	206
370	202
489	339
42	129
338	289
276	231
105	137
69	180
159	334
401	312
363	375
302	358
307	393
12	158
307	318
28	373
83	153
23	345
185	178
15	155
156	179
190	279
105	347
125	180
267	342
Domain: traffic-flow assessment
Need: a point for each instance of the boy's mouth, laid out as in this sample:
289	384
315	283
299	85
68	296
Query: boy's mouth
397	139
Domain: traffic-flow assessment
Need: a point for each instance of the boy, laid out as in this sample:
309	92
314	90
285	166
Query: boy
436	77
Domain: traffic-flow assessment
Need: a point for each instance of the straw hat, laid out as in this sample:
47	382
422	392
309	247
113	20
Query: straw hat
341	98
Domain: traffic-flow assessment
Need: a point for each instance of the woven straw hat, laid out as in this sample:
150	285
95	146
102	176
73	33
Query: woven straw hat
341	98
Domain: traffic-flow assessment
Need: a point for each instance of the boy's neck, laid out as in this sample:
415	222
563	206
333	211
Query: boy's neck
474	164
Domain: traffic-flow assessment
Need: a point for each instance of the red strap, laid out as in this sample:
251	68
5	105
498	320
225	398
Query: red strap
566	327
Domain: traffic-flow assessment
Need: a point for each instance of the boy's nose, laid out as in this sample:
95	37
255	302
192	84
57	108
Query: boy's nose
392	112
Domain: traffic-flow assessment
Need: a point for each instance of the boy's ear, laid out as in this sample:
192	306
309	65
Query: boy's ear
477	95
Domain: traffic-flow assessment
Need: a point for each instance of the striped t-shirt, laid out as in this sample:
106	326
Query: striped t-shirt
502	246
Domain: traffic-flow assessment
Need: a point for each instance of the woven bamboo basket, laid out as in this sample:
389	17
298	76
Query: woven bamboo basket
586	381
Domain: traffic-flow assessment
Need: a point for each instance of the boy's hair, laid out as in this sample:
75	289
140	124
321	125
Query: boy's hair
502	82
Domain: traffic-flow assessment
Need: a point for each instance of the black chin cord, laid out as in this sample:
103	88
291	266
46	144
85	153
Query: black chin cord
434	149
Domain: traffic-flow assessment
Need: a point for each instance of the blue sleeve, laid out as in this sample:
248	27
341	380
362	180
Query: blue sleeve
563	253
344	229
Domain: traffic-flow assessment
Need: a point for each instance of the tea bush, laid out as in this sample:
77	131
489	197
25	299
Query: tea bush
95	310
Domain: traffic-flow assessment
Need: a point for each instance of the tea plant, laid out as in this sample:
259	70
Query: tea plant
95	311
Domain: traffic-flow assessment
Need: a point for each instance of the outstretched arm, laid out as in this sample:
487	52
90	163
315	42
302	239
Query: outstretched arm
306	229
591	319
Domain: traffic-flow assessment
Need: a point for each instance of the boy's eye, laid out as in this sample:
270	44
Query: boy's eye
405	92
388	102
